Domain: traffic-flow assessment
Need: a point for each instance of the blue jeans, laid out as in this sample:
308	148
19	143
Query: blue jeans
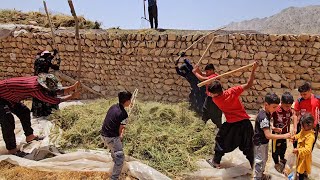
117	154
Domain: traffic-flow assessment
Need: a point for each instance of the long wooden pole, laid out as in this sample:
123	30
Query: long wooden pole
224	74
51	27
50	23
71	80
205	52
198	41
73	12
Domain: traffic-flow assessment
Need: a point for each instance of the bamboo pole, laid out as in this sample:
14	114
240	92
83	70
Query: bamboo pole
73	12
71	80
224	74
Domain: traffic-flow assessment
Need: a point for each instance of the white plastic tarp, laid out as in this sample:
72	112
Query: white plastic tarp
82	160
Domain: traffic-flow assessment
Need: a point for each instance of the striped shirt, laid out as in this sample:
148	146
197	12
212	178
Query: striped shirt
17	89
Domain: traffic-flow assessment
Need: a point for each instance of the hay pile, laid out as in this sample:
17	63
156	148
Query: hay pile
40	19
9	171
167	137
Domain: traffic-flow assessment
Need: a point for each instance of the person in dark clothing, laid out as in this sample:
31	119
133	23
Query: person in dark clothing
262	134
113	129
153	13
209	109
14	90
197	94
42	64
281	125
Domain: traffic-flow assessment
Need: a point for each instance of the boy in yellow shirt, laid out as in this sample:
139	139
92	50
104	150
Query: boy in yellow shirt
305	141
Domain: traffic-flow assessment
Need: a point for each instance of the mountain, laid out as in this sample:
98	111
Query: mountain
292	20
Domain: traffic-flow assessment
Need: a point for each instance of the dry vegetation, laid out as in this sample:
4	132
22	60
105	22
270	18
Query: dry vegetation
11	172
167	137
58	20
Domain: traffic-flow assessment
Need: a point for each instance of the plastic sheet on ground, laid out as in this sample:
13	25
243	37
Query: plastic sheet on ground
45	156
234	166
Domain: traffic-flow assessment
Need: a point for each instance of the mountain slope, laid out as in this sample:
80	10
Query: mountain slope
293	20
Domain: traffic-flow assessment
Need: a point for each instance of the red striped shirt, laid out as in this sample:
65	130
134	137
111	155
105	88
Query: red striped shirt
16	89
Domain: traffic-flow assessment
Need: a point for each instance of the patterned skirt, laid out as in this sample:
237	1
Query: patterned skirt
40	108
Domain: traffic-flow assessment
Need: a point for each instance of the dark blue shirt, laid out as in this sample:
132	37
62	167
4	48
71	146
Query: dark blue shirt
262	121
115	117
152	2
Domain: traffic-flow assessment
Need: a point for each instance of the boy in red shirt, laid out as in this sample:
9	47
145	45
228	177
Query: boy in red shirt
209	110
281	125
237	131
308	102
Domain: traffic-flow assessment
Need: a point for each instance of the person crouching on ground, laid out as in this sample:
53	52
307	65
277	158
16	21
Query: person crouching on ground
113	129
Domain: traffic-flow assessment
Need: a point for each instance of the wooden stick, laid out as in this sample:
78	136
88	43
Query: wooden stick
50	23
51	27
205	52
204	37
73	12
71	80
224	74
133	100
198	41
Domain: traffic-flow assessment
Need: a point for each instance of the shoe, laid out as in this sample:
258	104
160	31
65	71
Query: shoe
279	167
283	161
266	177
37	138
20	153
213	164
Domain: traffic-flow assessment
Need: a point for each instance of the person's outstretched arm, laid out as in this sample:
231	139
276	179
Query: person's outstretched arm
67	90
249	84
74	95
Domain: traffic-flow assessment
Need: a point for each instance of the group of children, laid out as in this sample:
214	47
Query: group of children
305	122
272	122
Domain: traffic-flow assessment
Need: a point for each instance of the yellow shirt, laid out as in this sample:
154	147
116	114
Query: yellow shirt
305	141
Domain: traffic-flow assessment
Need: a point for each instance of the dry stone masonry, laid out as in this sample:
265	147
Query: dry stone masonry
143	59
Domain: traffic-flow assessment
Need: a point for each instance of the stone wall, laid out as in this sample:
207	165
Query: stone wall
143	59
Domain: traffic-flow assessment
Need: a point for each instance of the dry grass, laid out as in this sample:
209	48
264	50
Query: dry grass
167	137
11	172
58	20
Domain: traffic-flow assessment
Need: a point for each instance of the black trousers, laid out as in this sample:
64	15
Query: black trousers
153	15
211	111
233	135
7	121
279	147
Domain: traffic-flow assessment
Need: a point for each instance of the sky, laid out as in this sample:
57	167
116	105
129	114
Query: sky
172	14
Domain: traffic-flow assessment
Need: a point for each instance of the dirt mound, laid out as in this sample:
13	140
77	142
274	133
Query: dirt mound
40	19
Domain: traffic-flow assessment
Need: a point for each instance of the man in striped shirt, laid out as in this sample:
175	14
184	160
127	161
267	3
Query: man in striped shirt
14	90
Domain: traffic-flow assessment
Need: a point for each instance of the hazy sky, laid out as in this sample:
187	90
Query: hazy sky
173	14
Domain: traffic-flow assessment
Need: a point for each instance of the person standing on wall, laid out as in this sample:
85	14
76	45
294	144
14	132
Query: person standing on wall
153	13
